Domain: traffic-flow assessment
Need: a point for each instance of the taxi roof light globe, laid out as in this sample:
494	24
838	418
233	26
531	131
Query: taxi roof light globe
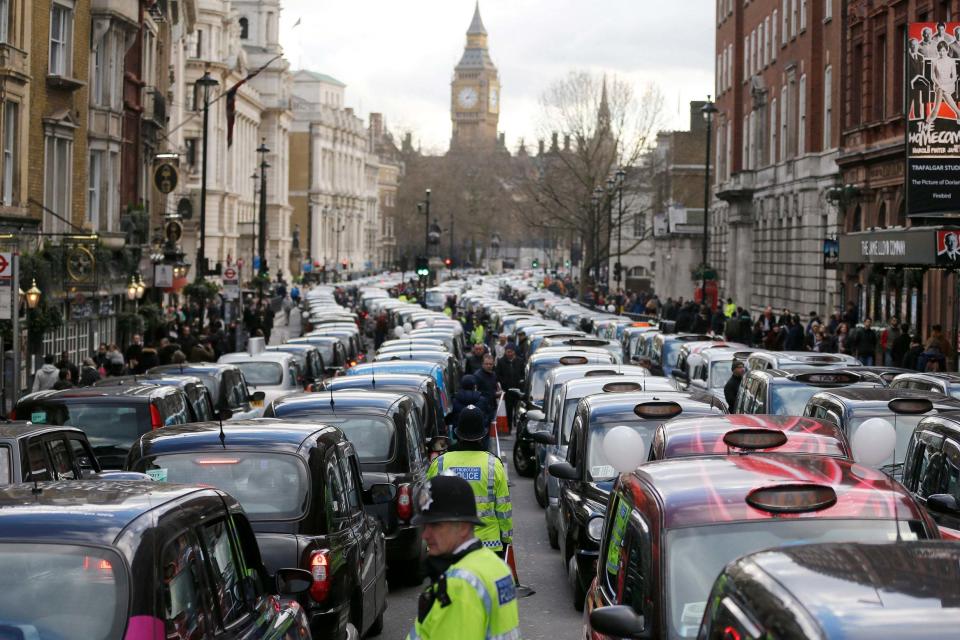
407	327
874	442
431	322
398	331
624	449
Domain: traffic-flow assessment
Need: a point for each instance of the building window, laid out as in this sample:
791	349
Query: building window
773	36
11	156
244	28
827	10
802	116
765	29
785	22
746	57
828	107
149	58
58	177
94	188
803	14
191	145
880	78
794	18
745	151
783	123
113	192
199	51
61	39
5	21
856	85
773	131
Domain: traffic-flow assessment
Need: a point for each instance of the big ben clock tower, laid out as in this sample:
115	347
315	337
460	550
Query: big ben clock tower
475	93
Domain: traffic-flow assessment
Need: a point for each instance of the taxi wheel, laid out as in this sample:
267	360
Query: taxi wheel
540	490
522	463
376	628
579	593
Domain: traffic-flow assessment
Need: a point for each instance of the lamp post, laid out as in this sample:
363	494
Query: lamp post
608	194
619	176
595	200
426	224
708	110
337	230
262	231
207	83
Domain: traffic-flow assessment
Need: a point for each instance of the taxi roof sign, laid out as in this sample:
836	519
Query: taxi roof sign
599	372
621	387
828	377
910	406
755	438
792	498
567	360
658	409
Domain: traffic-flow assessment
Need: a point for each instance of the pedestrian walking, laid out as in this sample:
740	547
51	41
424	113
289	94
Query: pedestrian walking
864	343
472	595
47	375
509	370
465	396
88	372
470	460
474	361
732	388
487	385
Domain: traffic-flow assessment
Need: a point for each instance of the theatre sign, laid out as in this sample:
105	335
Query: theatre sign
920	246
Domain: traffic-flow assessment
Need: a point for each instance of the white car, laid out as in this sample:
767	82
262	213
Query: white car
275	373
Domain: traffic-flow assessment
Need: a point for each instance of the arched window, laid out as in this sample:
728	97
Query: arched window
244	28
882	215
856	223
902	214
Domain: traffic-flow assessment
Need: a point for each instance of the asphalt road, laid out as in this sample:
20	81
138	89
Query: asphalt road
548	614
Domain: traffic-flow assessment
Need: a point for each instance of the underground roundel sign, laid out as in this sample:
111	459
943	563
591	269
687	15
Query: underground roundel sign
165	177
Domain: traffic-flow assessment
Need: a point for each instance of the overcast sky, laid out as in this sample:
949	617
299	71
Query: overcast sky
397	56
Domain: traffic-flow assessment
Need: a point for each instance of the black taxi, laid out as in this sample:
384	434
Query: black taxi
138	561
785	393
931	470
840	590
40	452
385	429
587	476
944	382
300	486
227	386
421	388
199	400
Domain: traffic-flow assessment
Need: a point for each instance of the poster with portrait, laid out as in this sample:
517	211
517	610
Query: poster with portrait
948	247
932	71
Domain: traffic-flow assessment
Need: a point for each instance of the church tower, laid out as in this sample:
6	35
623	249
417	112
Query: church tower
475	93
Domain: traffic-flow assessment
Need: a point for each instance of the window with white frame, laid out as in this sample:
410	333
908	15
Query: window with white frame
828	107
785	22
94	188
803	14
802	116
783	123
773	131
746	57
827	10
773	36
58	177
61	38
765	31
794	18
11	152
745	146
149	73
107	71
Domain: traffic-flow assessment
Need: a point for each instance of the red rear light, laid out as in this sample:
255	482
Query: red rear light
12	415
320	569
404	502
156	421
309	387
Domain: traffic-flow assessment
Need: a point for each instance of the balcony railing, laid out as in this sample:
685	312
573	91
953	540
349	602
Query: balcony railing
154	106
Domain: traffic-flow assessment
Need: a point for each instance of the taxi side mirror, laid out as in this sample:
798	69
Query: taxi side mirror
514	394
543	437
943	503
680	375
535	415
291	582
563	471
619	621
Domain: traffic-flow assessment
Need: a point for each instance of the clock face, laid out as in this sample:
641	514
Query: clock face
494	97
467	97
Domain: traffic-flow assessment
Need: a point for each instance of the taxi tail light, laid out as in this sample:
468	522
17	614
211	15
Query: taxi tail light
309	387
156	421
12	414
320	570
755	438
792	498
404	502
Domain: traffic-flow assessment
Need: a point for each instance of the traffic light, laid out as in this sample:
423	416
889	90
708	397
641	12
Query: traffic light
566	263
423	267
536	263
344	263
616	271
448	262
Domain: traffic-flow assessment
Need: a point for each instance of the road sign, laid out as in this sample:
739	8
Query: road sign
231	284
256	263
163	276
6	286
229	274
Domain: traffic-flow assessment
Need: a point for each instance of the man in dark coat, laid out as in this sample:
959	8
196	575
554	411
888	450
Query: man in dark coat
732	388
487	385
509	372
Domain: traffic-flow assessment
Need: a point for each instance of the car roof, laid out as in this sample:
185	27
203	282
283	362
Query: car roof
133	391
794	376
879	397
684	437
279	357
291	348
145	378
588	386
260	433
945	376
386	365
82	511
614	403
345	400
583	370
714	489
24	428
386	379
203	368
860	591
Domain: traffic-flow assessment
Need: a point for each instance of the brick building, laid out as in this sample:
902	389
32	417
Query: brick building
776	143
872	163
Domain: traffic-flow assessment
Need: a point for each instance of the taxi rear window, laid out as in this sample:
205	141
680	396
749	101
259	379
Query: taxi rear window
4	464
269	486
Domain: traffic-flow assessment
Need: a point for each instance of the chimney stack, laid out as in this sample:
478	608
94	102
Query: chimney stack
566	142
540	147
376	125
502	140
553	143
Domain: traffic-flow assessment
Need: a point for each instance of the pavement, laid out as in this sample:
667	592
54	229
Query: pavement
548	614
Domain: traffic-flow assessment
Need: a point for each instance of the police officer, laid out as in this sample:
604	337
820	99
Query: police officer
470	460
471	594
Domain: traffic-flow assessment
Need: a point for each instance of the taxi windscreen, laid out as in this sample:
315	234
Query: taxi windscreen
256	373
697	555
269	486
790	399
93	579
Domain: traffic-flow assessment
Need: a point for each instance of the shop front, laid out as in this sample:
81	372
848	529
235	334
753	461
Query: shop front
908	273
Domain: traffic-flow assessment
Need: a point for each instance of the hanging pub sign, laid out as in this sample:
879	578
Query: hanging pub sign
165	177
831	253
933	118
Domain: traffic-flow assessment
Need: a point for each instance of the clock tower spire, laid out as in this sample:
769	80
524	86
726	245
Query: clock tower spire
475	93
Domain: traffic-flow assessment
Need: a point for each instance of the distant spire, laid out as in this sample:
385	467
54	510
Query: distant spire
603	114
476	25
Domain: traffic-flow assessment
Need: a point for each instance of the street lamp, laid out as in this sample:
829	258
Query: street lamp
132	289
708	110
33	295
207	83
595	199
619	177
262	238
141	287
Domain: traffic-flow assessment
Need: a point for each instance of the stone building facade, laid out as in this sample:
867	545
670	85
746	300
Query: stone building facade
775	149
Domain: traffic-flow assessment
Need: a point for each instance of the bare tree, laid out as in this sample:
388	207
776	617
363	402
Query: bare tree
604	125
